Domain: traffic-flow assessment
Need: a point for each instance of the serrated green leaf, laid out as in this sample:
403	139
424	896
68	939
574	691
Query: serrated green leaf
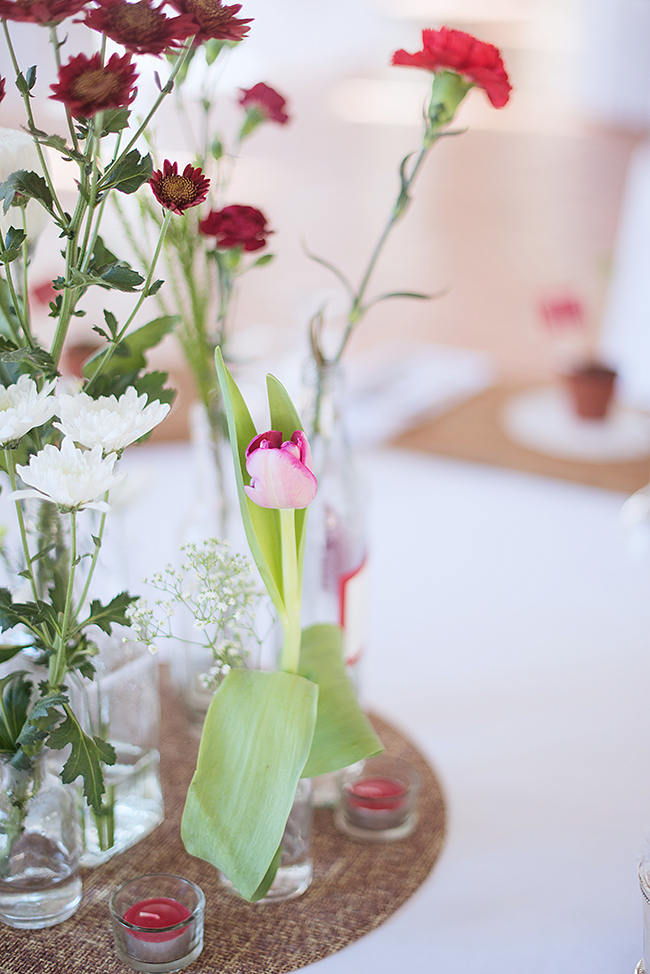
130	351
33	360
40	722
262	525
128	174
29	185
343	733
152	384
255	741
87	754
114	120
113	613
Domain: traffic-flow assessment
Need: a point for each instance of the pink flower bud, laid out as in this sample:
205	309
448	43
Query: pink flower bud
281	475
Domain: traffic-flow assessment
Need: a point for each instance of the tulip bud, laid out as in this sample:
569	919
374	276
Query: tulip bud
281	475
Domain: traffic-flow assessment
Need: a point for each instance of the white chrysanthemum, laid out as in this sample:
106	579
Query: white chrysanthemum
68	476
23	407
17	151
108	422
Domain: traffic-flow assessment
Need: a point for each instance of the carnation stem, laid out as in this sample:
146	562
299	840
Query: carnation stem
291	590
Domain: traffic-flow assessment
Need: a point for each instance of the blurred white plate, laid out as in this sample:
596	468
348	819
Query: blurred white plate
542	420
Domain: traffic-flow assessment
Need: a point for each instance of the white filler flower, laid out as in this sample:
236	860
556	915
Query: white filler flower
23	407
69	477
108	422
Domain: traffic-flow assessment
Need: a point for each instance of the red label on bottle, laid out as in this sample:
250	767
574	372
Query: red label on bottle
353	612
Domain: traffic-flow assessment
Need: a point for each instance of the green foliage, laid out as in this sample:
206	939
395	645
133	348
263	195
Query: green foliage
256	738
113	613
15	692
128	174
343	733
34	361
114	120
25	82
40	723
12	245
129	352
26	185
85	758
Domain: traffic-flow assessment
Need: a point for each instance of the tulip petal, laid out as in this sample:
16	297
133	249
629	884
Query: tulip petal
279	479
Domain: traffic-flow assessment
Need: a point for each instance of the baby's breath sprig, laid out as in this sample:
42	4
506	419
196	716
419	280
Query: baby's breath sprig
218	590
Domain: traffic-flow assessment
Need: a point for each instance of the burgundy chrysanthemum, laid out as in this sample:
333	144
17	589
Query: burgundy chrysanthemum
236	226
40	11
213	19
87	87
2	88
140	27
457	51
179	191
266	100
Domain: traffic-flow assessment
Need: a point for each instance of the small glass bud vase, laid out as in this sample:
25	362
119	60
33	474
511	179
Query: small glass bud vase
40	846
295	871
121	705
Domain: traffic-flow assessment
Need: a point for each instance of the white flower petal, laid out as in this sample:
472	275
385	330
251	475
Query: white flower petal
71	477
108	422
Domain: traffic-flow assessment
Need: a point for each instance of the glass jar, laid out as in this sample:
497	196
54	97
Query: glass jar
121	705
40	846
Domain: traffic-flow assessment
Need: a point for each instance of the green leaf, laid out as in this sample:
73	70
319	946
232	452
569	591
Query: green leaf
152	384
263	260
15	691
129	353
34	360
267	882
262	525
255	741
25	82
11	247
28	185
9	650
343	733
128	174
113	613
86	757
114	120
40	722
399	294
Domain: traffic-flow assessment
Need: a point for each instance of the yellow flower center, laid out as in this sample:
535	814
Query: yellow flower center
177	189
136	18
95	86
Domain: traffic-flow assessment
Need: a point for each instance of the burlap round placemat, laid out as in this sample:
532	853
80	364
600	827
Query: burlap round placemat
356	885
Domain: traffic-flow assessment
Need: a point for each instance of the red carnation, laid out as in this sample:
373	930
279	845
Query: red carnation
267	101
454	50
178	192
40	11
140	27
214	20
2	88
236	226
87	87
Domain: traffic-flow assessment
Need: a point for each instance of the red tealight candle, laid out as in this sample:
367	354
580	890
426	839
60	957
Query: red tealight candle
377	793
157	913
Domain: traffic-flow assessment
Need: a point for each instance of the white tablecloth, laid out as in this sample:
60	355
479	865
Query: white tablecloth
510	641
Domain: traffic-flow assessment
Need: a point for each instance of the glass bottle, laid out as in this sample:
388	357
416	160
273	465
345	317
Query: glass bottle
40	846
336	552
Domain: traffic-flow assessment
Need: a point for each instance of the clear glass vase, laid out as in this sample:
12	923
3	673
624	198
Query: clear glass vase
335	583
40	846
295	871
122	706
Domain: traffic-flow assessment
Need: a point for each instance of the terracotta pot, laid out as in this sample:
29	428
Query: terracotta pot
591	390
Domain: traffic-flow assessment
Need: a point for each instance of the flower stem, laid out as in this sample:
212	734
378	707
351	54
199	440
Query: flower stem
93	561
292	590
58	669
11	471
143	294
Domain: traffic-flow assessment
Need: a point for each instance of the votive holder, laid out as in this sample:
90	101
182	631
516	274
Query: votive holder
378	799
157	923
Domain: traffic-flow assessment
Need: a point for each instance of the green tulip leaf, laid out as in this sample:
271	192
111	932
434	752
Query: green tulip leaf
343	733
256	738
262	525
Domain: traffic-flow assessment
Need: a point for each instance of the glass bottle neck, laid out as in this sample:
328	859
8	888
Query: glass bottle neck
325	412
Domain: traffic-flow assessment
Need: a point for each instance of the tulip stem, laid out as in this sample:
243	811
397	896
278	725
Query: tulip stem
291	591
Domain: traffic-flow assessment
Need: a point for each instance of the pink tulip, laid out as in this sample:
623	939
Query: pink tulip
281	475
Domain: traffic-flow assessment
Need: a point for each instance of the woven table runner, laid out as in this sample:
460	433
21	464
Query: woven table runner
473	431
356	885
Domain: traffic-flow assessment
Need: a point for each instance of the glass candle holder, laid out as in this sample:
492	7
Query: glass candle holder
158	923
378	799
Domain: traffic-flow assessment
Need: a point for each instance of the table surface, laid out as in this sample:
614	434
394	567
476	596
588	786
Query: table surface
509	640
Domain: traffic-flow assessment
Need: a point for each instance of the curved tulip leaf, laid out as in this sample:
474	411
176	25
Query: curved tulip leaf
343	733
285	418
256	738
262	525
